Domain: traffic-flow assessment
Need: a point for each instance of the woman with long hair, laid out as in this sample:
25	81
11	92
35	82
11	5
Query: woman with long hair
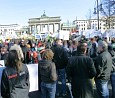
47	72
15	78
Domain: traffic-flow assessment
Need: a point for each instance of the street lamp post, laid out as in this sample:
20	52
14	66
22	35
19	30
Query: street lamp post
98	13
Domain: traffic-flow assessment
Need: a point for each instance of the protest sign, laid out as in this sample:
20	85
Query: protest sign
2	63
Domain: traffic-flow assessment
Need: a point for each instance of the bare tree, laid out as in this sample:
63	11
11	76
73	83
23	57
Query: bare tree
108	12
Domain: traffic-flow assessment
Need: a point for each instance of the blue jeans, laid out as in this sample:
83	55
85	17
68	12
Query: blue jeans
48	90
61	77
102	88
113	84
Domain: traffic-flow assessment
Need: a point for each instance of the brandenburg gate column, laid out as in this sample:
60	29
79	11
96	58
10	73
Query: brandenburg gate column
30	29
53	27
48	27
36	28
40	27
59	26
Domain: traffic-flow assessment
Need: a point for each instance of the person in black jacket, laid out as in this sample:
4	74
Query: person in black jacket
93	51
112	77
47	73
80	71
4	53
103	65
24	50
60	59
15	78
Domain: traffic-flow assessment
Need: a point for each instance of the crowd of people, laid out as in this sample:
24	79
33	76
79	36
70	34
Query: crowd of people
81	63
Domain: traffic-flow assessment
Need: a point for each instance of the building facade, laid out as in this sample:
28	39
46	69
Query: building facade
23	30
93	24
68	27
9	28
44	24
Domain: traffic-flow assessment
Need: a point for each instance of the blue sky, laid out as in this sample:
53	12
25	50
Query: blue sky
19	11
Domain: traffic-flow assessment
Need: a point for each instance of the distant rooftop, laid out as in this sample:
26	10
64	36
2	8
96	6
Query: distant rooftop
10	25
44	16
66	24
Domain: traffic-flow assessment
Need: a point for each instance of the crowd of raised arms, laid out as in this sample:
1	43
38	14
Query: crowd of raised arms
79	62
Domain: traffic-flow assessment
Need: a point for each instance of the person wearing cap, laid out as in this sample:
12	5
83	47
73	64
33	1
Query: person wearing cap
103	65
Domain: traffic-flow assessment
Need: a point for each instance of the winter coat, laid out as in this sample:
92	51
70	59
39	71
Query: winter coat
47	71
60	56
93	51
4	57
14	84
24	50
103	65
80	71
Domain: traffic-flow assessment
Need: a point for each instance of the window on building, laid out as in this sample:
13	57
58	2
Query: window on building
100	27
103	28
84	28
84	24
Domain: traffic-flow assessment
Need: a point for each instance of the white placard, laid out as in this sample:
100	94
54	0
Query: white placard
33	73
61	34
2	63
66	35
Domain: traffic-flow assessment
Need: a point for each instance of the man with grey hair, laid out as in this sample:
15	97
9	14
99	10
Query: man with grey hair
103	65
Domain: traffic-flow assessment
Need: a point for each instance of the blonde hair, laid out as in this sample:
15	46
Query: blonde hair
48	54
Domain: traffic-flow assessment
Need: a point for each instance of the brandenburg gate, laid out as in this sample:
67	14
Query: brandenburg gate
44	24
